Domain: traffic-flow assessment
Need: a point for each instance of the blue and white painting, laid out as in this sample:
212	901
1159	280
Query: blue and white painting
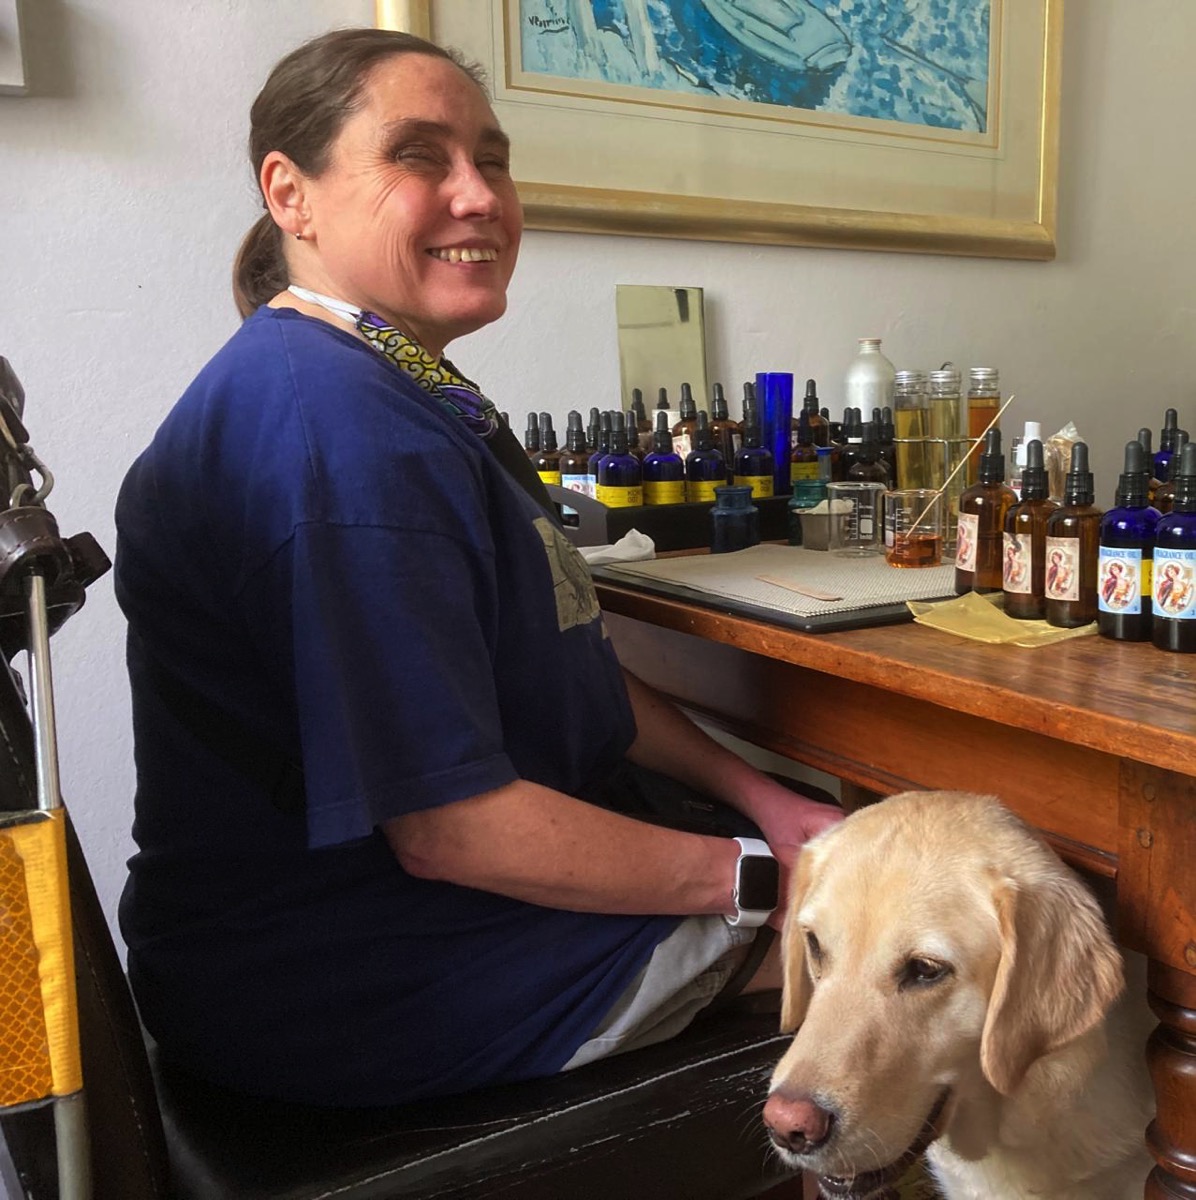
921	62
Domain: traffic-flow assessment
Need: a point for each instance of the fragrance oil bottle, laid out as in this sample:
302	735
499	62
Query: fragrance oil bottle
547	460
620	477
601	450
1174	591
869	467
753	464
820	427
980	531
1024	563
1073	548
804	459
683	430
575	457
663	470
704	466
1163	494
727	434
1123	580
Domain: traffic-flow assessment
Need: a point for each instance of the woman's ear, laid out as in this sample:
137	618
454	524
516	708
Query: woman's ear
1058	976
284	190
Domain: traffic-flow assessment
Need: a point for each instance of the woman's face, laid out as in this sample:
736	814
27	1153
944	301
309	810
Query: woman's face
416	217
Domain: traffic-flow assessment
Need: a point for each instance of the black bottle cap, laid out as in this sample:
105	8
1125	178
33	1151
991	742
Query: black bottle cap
689	408
662	435
531	437
853	425
702	438
1133	486
810	402
992	461
1079	488
1185	479
547	433
1144	436
718	404
1170	425
886	425
662	399
637	405
749	393
1181	440
752	437
575	435
1035	482
869	442
618	433
805	431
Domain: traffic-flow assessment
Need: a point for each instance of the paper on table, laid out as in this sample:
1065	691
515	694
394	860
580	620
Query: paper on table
979	618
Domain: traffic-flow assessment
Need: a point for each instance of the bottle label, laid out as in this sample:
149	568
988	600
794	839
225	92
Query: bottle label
550	477
761	485
966	538
1174	591
1120	579
701	489
682	445
670	491
576	483
804	470
1062	568
1017	565
620	497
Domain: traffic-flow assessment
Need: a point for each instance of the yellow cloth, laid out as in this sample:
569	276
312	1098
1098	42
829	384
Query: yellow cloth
980	618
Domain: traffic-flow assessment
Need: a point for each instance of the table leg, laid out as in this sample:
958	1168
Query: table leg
1171	1053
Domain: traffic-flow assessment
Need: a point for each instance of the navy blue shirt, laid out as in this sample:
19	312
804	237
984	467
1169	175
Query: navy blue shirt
313	548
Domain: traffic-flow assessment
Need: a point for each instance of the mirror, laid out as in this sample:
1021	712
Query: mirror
662	343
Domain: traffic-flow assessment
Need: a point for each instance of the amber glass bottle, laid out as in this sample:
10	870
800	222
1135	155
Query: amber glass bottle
981	529
686	426
1073	548
547	460
1024	564
727	434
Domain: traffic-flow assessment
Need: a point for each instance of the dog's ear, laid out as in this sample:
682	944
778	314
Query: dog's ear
795	974
1058	975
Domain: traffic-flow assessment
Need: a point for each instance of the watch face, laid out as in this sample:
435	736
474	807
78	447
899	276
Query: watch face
759	883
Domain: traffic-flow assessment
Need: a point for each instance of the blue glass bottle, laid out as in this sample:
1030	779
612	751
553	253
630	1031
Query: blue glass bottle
704	466
1126	554
663	470
734	520
601	450
1174	589
1162	456
753	463
620	477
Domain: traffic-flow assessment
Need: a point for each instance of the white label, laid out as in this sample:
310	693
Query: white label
1017	566
966	536
1062	568
1119	580
1175	584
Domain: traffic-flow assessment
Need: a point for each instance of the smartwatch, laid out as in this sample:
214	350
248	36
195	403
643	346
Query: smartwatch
757	884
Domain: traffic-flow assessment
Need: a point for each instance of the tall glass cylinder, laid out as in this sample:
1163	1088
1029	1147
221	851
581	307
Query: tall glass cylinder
984	398
774	396
947	445
911	420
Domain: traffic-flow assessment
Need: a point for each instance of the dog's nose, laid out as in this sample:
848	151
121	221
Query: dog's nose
797	1123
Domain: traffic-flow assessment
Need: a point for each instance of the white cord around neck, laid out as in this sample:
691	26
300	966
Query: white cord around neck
347	312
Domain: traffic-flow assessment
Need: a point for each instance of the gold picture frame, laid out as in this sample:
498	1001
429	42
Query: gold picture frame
746	173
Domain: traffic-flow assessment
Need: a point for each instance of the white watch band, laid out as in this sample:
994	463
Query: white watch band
750	918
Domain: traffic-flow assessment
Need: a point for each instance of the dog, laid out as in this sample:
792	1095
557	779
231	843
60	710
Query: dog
955	992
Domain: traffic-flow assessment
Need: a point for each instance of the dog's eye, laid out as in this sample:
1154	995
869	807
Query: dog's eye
922	972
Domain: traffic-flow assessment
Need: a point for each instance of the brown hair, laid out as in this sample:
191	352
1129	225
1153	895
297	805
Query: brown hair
300	111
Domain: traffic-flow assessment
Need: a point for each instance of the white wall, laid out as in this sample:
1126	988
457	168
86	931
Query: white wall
123	195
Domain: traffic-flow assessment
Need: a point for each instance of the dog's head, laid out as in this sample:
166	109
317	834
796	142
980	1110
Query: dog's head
934	949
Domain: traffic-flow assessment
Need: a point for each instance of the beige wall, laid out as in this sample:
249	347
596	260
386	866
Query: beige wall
123	195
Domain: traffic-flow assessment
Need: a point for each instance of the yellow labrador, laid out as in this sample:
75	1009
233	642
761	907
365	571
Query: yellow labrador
955	991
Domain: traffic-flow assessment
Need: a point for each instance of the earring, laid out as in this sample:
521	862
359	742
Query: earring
299	237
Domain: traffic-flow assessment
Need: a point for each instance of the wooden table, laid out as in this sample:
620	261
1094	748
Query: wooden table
1092	741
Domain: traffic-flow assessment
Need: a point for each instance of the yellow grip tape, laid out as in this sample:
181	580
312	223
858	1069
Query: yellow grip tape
39	1046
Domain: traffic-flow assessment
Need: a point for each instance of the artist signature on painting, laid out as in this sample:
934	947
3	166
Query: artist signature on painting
549	24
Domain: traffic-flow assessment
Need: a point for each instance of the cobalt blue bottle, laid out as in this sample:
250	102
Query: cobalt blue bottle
1174	591
704	466
620	477
663	470
753	463
1162	456
1123	578
601	450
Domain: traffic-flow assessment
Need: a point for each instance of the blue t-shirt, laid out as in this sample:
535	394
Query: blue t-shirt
314	548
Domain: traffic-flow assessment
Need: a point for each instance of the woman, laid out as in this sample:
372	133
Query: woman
364	873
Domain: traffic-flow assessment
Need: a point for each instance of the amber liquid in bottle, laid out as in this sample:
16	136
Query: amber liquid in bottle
1073	549
981	531
1024	564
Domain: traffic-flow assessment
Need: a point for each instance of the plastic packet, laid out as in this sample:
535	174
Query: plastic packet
1057	454
981	619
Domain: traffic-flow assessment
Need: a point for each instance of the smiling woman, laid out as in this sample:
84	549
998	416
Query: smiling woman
378	858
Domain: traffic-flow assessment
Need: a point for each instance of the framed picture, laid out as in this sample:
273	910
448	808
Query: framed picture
915	125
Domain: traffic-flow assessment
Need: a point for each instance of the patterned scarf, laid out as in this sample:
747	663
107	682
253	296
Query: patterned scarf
438	377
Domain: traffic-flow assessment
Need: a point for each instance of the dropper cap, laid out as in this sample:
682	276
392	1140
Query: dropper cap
1035	482
1181	440
1185	480
992	461
618	433
1170	425
702	438
1133	485
718	403
662	435
805	431
547	433
575	435
531	436
1079	488
662	399
689	408
1145	436
810	402
637	405
749	394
